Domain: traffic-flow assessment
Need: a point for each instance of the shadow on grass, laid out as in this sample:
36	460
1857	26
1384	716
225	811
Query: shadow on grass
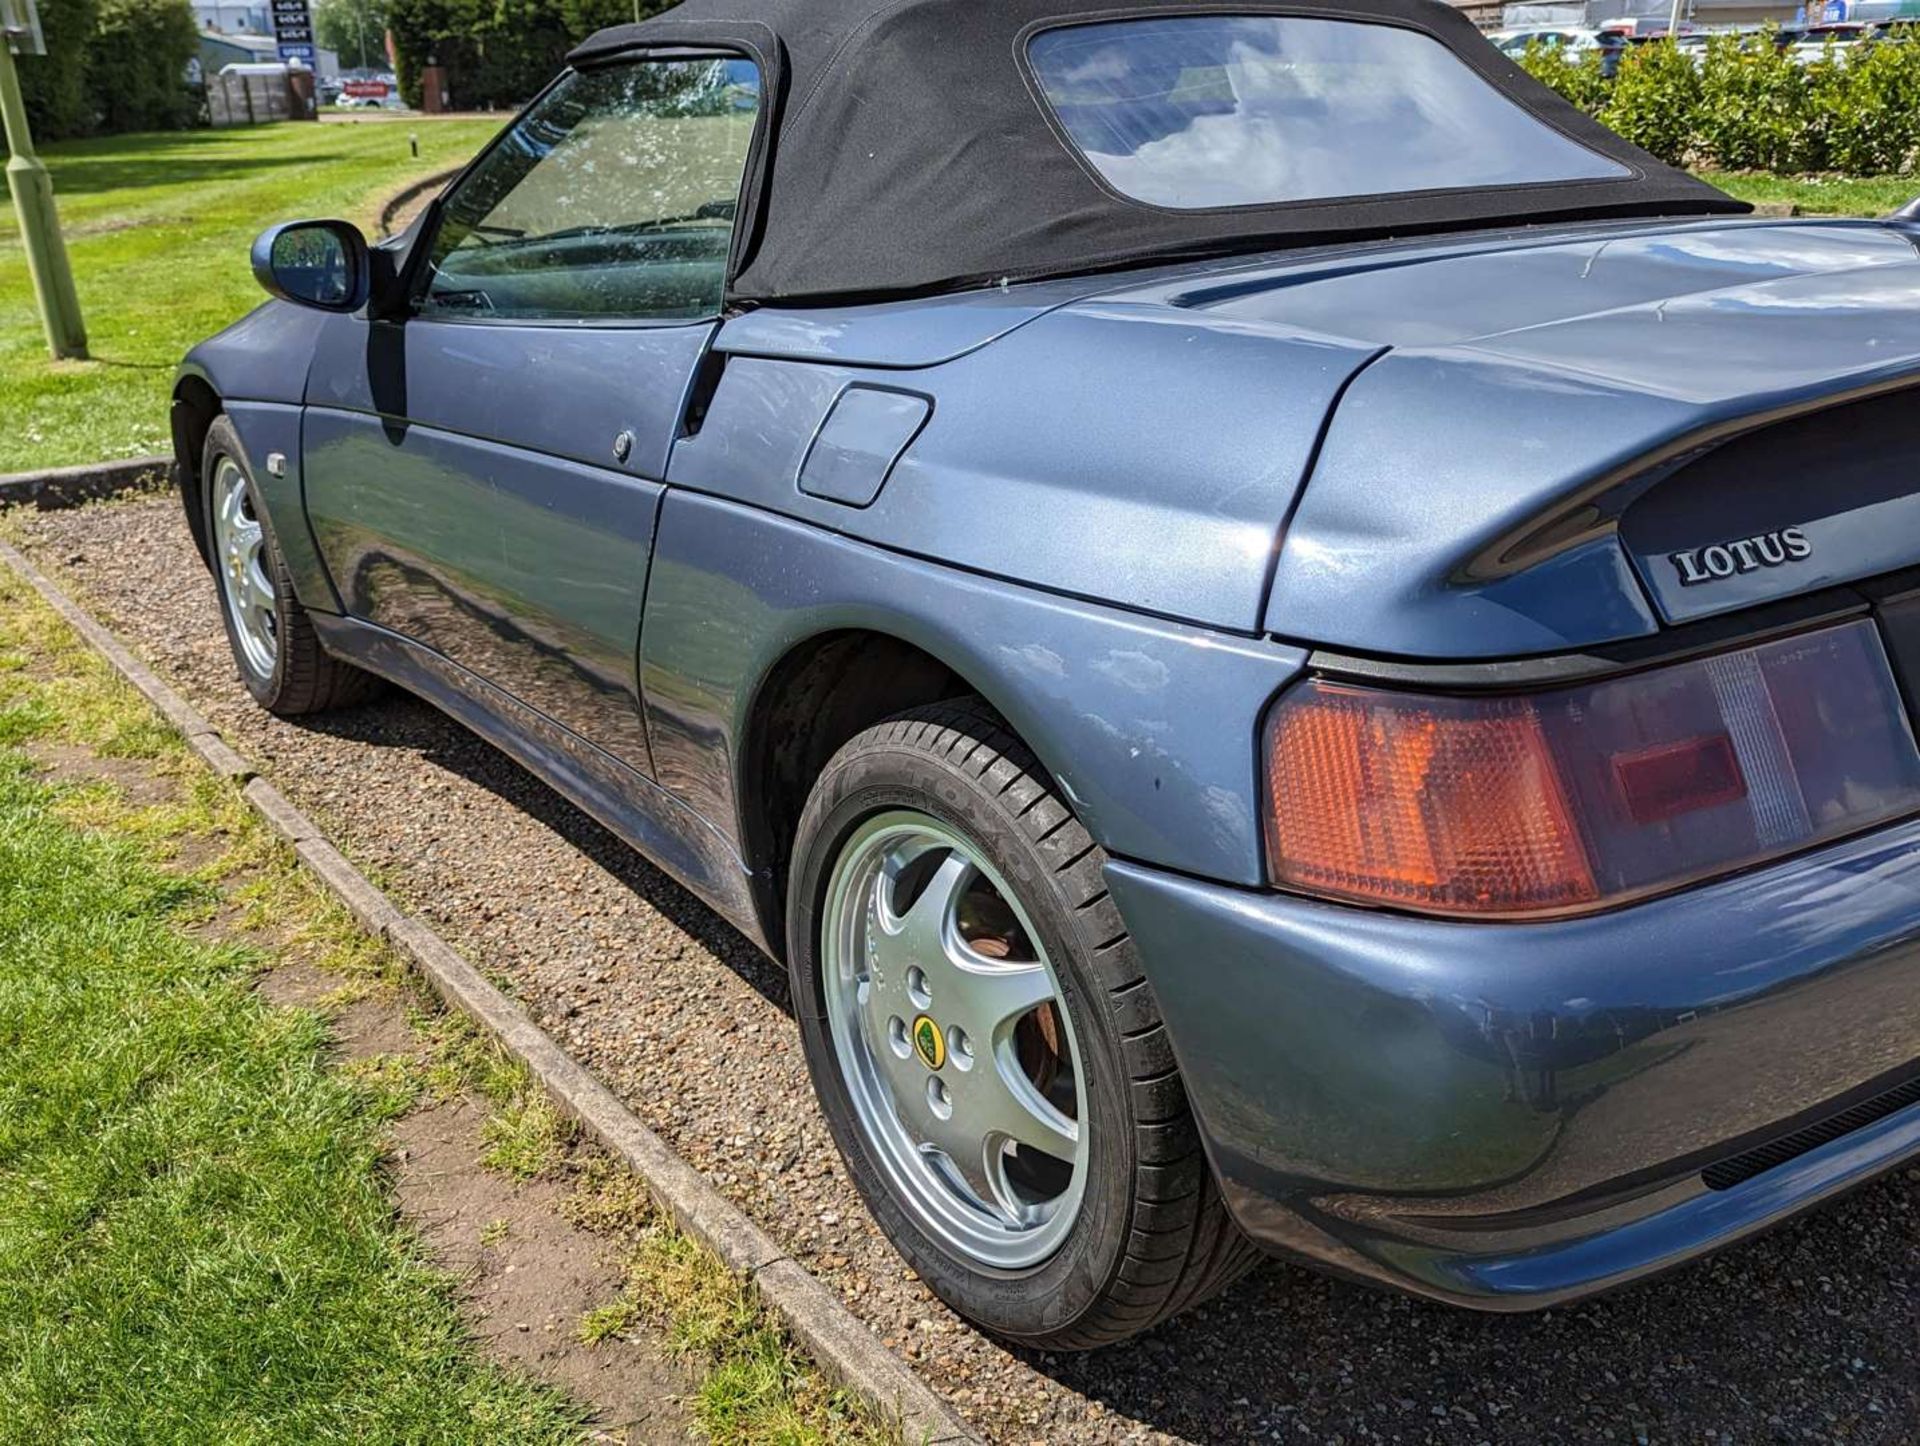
170	158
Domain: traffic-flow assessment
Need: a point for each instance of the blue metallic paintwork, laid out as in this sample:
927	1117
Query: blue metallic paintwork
1107	701
473	378
1398	544
264	356
926	331
1185	438
526	570
1501	1115
858	443
918	333
263	359
1427	294
266	428
451	510
1424	1099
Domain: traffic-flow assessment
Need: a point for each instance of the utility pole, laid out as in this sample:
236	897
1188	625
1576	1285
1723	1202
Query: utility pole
33	194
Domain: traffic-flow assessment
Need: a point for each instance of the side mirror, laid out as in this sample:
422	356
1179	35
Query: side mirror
322	264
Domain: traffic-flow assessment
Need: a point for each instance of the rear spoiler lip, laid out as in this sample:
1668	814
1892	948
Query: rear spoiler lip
1592	511
1714	634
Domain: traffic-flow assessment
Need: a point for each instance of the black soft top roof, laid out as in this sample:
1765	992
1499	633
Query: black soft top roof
903	149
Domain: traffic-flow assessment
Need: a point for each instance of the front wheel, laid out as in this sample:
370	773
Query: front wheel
986	1046
274	645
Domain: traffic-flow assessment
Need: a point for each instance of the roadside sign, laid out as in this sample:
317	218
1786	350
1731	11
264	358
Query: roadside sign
293	28
20	19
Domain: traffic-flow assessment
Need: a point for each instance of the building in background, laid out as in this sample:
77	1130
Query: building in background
1696	14
233	17
235	32
1484	13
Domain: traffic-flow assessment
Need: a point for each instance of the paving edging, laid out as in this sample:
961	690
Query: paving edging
55	487
412	192
840	1345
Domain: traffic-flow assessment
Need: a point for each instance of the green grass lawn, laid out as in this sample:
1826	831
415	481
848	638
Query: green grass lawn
1821	195
158	228
195	1240
198	1239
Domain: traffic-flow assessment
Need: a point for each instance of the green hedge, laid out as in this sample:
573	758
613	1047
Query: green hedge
110	66
1746	106
497	53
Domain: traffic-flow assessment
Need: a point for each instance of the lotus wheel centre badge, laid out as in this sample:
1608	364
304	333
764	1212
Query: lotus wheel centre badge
1745	554
929	1043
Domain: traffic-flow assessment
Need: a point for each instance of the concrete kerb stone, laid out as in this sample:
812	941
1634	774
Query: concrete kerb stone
281	816
844	1348
56	487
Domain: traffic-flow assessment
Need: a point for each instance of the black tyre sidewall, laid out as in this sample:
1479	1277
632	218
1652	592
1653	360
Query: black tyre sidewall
1049	1298
223	442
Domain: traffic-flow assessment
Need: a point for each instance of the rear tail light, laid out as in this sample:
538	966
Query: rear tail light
1577	798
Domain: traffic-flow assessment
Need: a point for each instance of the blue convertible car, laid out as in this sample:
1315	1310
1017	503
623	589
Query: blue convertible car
1298	647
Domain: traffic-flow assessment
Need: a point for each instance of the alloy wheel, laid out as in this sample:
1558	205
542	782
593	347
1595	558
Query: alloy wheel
955	1043
240	548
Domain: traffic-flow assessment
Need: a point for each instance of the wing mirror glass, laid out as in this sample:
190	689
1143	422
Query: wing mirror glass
322	264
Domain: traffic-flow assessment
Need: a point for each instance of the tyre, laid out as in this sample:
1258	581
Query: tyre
985	1044
274	645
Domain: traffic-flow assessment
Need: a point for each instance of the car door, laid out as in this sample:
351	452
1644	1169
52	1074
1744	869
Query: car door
483	475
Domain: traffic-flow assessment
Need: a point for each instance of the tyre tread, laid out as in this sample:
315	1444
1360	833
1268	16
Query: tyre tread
1182	1246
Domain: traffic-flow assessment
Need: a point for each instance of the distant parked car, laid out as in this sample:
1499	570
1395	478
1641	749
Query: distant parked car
1812	42
368	92
1293	643
1575	40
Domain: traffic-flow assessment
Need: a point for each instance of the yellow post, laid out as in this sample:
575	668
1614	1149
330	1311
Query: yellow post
32	191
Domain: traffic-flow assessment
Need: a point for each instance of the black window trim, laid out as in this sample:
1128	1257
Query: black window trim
419	271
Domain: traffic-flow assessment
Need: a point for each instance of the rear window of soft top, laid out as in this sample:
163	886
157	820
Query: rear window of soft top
1195	112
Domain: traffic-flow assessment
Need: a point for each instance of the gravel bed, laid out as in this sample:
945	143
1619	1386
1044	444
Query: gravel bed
1808	1334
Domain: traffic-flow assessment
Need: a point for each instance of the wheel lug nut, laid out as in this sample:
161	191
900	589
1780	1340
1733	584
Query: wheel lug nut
938	1098
897	1038
959	1048
918	989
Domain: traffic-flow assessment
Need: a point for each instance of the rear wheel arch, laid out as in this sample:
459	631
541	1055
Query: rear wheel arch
822	692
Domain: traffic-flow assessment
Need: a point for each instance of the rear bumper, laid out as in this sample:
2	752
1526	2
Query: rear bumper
1510	1116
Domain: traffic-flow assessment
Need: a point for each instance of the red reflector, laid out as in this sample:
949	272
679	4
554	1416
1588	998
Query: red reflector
1676	778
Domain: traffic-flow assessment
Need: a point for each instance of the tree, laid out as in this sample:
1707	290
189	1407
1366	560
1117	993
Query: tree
54	85
111	65
137	65
497	53
355	30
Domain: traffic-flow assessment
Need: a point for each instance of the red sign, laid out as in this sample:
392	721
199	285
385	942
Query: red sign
365	89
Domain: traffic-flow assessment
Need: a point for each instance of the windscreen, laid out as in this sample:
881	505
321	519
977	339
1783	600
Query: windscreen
1207	111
